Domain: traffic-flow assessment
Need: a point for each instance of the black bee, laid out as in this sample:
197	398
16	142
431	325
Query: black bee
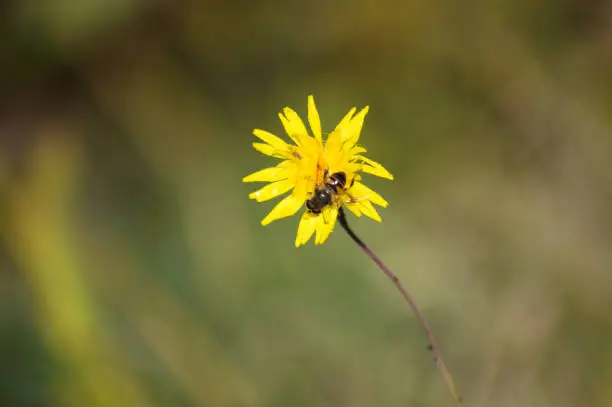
325	193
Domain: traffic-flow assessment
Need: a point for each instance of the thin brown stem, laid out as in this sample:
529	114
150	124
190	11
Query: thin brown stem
433	345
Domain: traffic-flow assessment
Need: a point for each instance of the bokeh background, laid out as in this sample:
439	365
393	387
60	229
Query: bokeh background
134	270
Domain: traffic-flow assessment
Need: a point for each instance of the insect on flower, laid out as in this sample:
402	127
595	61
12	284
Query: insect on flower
322	175
325	193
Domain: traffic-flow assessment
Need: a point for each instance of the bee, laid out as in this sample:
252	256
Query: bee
327	192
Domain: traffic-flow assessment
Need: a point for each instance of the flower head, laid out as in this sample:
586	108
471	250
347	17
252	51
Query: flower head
311	165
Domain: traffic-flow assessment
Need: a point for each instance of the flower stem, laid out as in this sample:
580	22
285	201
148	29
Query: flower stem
433	345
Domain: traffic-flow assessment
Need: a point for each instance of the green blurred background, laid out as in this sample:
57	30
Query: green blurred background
134	270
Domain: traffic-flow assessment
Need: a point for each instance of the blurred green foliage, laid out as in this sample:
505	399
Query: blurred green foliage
134	271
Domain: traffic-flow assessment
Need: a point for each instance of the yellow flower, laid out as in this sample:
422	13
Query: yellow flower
308	163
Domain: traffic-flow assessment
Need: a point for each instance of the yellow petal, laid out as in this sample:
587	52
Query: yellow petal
326	224
354	207
295	120
271	139
361	192
310	146
305	229
341	130
374	168
287	207
368	210
297	139
272	190
346	119
303	188
378	171
267	149
313	118
267	175
353	129
358	150
294	126
333	144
